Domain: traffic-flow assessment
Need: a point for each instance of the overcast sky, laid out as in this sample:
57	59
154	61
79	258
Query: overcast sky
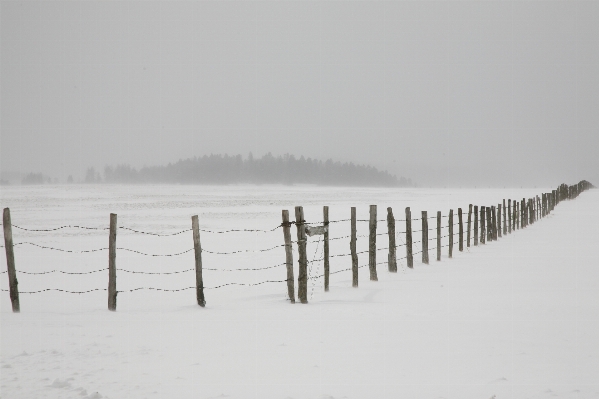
446	93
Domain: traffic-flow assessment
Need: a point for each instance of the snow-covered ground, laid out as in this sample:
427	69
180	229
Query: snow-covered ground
516	318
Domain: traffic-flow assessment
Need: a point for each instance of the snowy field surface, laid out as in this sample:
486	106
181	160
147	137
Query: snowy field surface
516	318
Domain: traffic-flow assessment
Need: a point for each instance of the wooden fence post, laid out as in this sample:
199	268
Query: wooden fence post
288	254
392	257
325	218
498	221
494	221
475	225
438	235
504	218
409	258
469	225
509	215
490	224
13	283
112	263
483	233
197	247
531	211
450	233
424	238
460	231
302	275
352	246
372	244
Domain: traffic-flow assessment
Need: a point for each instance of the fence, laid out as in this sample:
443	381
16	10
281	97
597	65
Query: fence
491	223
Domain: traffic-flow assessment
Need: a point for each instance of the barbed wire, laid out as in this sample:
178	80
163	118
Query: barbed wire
58	289
59	249
61	227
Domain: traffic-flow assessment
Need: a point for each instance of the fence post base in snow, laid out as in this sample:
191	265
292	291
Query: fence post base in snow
409	257
392	259
13	283
352	246
302	277
288	254
372	244
325	218
424	238
112	263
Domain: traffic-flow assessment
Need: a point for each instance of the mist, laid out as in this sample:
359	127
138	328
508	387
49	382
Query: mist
449	94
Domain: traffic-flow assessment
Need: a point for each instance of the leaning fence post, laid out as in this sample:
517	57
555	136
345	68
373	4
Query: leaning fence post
475	225
325	216
197	250
469	225
302	275
392	260
424	238
112	263
509	215
451	233
439	235
13	283
288	254
352	246
460	230
372	244
483	234
410	259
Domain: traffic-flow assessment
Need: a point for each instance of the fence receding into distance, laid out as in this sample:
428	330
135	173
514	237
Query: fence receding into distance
490	224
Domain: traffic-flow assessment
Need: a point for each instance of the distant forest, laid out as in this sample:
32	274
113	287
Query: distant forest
231	169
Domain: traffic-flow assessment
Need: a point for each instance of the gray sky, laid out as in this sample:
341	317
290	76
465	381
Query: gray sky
447	93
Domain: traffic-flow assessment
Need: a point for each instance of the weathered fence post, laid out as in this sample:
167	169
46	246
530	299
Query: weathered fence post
325	218
490	224
197	247
302	275
483	233
409	258
13	283
494	222
424	238
460	231
352	247
392	257
288	254
509	215
112	263
504	218
372	244
438	235
531	211
498	220
450	233
475	225
469	225
516	215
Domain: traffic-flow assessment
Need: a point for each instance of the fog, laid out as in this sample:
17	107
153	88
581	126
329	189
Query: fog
445	93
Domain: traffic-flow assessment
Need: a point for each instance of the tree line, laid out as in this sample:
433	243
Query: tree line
232	169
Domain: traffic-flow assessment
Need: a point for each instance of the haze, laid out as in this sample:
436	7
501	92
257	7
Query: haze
446	93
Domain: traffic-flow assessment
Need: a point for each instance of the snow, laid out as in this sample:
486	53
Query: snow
516	318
